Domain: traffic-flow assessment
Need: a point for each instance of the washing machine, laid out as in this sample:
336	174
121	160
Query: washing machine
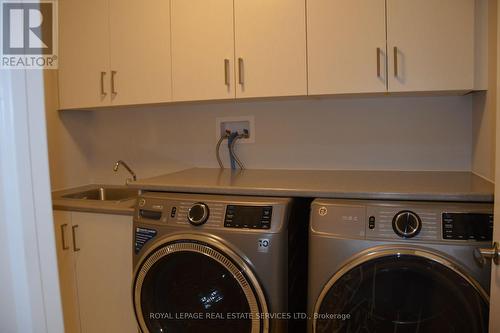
398	266
210	263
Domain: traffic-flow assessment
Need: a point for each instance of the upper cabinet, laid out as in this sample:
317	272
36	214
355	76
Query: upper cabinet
270	48
125	52
202	50
270	55
430	45
346	46
140	51
83	53
373	46
114	52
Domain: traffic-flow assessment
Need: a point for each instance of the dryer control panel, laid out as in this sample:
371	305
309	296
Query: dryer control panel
404	220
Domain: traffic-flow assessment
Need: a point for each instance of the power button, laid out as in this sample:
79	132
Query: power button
371	222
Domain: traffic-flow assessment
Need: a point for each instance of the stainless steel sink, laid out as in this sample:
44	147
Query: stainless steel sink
104	194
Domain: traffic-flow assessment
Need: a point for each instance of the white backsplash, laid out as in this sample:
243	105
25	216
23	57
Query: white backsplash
376	133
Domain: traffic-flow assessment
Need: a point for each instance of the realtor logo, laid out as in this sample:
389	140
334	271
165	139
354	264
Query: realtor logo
29	34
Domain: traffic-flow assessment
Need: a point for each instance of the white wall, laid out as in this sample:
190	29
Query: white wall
68	159
483	134
484	103
381	133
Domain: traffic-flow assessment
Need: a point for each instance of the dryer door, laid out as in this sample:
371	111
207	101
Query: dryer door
401	291
195	284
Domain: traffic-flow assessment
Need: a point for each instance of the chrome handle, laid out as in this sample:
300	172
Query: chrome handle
226	72
492	253
113	91
63	238
395	61
378	61
103	93
73	231
241	78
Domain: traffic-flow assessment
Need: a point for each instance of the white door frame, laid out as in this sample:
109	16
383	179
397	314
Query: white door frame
29	282
495	269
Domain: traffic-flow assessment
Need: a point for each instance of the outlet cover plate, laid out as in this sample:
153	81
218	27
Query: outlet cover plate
236	123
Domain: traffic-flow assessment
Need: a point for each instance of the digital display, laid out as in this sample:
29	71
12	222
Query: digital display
254	217
464	226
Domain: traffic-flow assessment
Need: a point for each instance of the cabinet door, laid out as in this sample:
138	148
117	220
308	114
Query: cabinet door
140	52
346	46
67	277
104	272
202	50
83	54
430	45
270	39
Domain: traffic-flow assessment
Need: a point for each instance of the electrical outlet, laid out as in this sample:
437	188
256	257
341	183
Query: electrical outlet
238	124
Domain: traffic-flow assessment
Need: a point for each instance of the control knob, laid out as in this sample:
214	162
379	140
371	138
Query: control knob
406	224
198	214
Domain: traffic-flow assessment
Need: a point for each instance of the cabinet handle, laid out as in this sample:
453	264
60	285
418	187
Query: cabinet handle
103	93
113	91
396	61
226	72
241	77
63	237
73	231
378	61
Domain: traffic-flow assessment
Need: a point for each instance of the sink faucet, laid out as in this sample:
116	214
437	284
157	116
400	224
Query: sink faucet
125	165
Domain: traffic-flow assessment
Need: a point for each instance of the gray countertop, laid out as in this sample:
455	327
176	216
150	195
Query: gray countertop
384	185
124	207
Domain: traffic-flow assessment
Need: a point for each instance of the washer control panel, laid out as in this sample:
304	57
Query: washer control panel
254	217
212	211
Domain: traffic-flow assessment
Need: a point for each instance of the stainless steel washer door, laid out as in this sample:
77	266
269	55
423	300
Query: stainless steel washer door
401	290
191	283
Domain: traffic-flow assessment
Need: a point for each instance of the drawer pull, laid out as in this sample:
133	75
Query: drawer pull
396	61
226	72
103	93
241	76
378	61
73	231
63	237
113	91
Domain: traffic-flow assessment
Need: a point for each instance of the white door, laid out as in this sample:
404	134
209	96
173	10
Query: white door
104	272
430	45
140	52
29	286
495	269
202	50
346	46
270	38
67	276
83	54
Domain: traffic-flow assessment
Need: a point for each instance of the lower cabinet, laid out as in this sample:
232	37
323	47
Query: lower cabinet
94	253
